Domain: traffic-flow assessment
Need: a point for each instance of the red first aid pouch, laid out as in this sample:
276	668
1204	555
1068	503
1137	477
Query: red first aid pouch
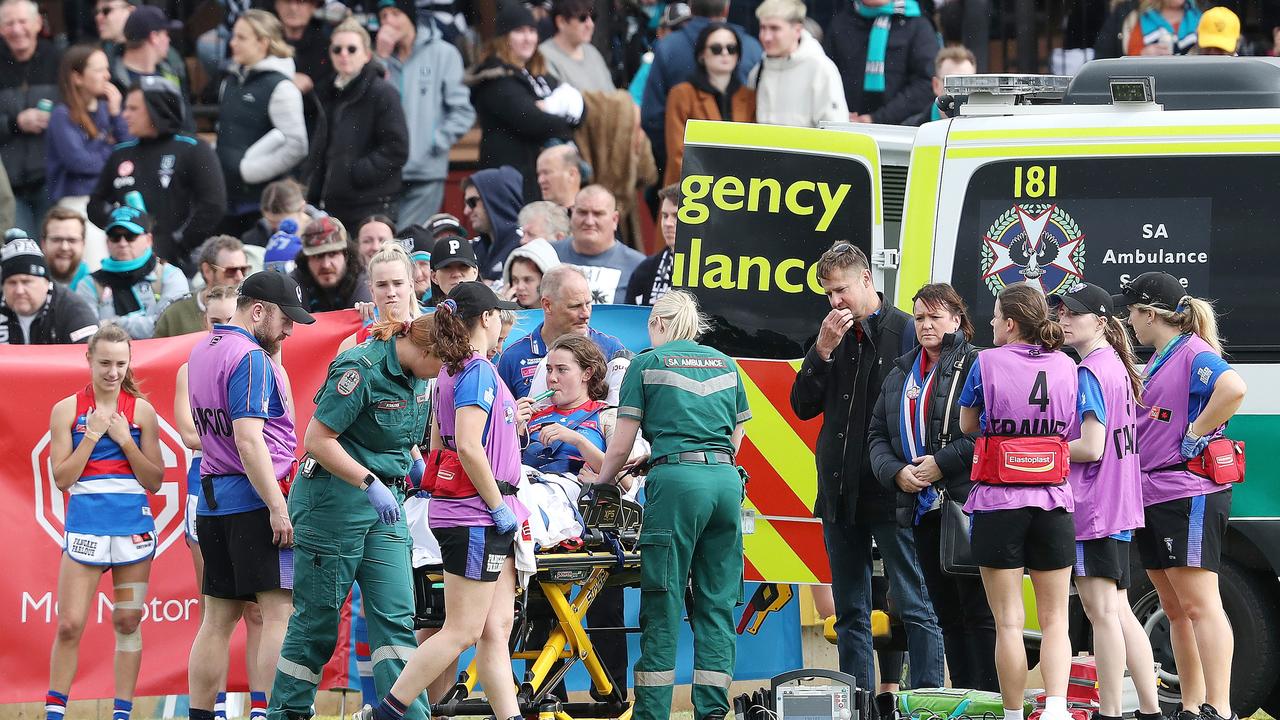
1222	461
1020	460
445	477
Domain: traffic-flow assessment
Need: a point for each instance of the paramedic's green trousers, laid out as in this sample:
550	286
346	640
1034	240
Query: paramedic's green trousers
692	530
338	539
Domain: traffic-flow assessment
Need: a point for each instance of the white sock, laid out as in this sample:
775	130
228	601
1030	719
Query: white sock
1013	714
1055	705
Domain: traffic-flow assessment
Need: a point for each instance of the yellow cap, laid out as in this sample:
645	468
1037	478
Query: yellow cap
1219	28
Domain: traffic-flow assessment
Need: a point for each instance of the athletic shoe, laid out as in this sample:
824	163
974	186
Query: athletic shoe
364	713
1209	712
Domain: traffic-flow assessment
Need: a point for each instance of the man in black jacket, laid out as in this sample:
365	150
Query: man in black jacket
896	85
840	379
178	175
35	310
28	88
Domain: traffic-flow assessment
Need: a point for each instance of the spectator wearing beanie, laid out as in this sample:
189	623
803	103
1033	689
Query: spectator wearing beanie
569	54
884	50
134	285
328	269
714	92
796	83
512	94
34	310
28	77
261	131
363	144
427	70
146	50
177	175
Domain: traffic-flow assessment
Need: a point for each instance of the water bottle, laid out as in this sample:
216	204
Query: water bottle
45	105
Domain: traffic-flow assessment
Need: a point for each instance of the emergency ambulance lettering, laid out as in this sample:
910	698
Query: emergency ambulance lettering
726	193
724	272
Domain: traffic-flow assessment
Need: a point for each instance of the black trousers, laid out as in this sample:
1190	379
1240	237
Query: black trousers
968	628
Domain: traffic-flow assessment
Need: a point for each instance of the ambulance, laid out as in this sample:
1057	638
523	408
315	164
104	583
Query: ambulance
1169	164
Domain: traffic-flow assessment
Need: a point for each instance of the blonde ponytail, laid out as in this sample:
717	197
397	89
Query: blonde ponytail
1192	315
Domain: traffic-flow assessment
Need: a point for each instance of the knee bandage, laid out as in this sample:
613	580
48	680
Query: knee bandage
129	642
131	596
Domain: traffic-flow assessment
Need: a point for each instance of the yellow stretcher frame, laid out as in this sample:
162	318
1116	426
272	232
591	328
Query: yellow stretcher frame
557	577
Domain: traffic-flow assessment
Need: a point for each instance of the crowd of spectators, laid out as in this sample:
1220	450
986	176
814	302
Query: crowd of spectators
325	130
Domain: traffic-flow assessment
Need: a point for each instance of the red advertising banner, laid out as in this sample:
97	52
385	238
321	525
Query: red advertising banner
33	378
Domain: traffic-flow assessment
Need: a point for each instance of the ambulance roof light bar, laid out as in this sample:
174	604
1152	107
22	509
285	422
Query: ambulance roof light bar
1004	89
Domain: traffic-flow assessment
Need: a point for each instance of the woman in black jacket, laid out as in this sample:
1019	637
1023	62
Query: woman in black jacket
521	108
917	448
359	150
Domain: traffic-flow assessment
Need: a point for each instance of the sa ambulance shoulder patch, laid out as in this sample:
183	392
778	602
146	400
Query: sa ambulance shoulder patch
348	383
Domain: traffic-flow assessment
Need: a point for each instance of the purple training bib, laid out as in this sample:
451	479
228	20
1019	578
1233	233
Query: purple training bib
1108	493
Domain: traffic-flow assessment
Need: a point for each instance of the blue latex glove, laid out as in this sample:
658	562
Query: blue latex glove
416	471
1193	446
384	502
503	519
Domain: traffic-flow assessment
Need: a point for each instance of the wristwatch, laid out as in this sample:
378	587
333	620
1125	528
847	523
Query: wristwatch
367	481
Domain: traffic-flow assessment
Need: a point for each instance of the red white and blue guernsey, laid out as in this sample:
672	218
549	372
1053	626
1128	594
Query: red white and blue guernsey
109	520
519	362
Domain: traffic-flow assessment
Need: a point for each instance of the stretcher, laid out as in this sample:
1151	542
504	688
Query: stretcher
566	582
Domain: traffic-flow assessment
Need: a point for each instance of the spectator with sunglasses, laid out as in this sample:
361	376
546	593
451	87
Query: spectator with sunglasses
360	149
570	56
713	93
222	264
134	285
796	83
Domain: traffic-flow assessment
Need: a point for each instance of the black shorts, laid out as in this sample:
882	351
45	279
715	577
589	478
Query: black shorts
1103	558
1186	532
1023	538
475	553
240	559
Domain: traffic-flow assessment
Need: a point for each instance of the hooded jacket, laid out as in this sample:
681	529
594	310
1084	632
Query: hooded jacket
437	105
262	133
950	448
360	148
22	85
500	191
178	176
908	64
537	251
801	89
514	128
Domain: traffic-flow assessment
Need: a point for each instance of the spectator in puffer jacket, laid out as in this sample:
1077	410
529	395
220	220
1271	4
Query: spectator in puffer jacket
262	134
28	78
884	50
361	147
427	70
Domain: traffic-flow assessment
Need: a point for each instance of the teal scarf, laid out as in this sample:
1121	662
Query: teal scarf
878	43
1154	25
121	276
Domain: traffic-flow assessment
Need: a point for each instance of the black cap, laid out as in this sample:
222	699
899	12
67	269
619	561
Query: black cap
1085	299
143	21
276	287
1157	289
130	219
514	15
408	7
473	297
417	241
452	249
21	256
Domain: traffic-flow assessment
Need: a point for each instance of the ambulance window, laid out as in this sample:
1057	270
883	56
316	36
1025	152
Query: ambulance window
1209	221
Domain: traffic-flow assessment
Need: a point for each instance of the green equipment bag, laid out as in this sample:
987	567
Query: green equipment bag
950	703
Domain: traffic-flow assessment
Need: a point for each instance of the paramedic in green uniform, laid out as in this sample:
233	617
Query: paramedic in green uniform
689	401
346	508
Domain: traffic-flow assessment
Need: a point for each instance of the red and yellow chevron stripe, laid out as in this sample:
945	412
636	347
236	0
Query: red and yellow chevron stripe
778	453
